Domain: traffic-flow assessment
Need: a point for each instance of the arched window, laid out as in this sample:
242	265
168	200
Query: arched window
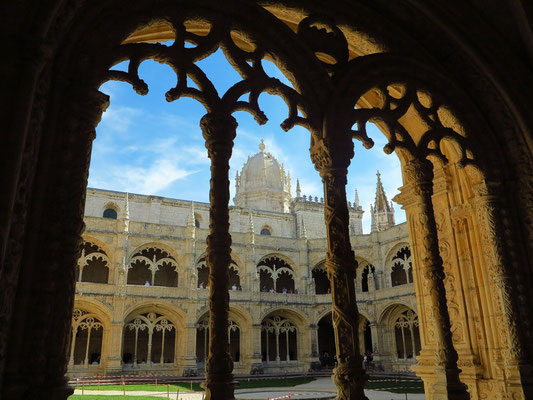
202	340
110	213
86	343
275	275
203	275
93	264
407	335
149	338
278	340
266	232
196	223
402	268
153	267
321	280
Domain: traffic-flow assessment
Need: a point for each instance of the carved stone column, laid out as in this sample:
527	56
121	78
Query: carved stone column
331	159
219	131
420	175
488	204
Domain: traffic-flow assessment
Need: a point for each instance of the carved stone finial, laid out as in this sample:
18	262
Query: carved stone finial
298	191
262	146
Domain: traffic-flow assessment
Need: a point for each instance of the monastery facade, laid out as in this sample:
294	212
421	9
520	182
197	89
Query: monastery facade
141	302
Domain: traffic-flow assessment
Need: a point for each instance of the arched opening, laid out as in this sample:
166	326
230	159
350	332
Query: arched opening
407	335
402	267
321	280
275	275
202	341
279	340
326	342
153	267
202	272
265	232
86	341
149	338
469	221
367	278
93	264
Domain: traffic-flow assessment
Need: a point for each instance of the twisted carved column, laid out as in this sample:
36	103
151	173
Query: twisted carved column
420	174
219	131
332	160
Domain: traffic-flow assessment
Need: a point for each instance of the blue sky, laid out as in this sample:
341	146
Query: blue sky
149	146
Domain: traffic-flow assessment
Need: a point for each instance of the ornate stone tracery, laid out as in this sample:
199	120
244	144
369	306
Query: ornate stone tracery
279	328
86	323
93	265
152	267
57	107
151	324
276	275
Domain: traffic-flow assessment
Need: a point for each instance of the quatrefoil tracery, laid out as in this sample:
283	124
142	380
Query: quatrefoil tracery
403	94
181	57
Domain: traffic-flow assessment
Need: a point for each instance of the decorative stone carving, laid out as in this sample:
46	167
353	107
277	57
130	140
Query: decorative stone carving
331	159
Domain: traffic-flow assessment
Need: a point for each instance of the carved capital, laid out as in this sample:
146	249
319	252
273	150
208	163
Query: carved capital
332	156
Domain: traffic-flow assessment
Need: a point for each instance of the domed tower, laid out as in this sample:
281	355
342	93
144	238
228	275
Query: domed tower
262	184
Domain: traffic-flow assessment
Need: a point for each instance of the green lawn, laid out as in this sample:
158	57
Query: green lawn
105	397
286	382
406	387
186	386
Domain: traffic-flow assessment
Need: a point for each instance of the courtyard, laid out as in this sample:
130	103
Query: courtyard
302	388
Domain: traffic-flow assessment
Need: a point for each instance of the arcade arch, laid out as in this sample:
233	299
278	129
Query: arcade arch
202	340
86	340
149	338
275	275
202	272
401	335
93	264
320	278
401	267
491	256
279	339
152	266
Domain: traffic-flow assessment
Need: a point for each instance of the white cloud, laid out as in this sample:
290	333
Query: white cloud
119	118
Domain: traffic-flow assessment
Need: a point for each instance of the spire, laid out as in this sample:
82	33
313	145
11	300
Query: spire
303	233
356	203
298	191
382	211
262	146
381	204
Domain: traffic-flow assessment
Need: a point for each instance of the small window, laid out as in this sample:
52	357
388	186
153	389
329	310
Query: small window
265	231
110	213
196	223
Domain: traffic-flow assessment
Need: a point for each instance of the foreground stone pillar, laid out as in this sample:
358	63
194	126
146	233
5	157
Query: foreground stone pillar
448	386
219	131
331	159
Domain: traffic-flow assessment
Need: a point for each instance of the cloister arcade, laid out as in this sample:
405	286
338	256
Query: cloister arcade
444	82
276	275
152	266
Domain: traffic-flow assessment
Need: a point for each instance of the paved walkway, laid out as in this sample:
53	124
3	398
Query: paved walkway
320	387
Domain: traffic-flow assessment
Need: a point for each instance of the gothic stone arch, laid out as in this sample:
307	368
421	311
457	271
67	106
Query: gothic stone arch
53	113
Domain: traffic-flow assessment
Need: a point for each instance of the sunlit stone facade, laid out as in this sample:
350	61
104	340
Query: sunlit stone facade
141	296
